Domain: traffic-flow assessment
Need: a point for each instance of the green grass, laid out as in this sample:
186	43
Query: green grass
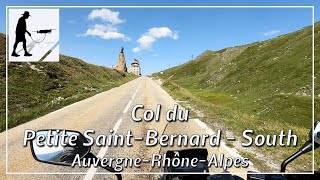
35	89
265	86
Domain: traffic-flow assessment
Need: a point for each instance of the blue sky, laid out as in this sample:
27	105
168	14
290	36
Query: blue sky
167	37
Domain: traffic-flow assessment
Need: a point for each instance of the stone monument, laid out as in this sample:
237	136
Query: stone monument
122	62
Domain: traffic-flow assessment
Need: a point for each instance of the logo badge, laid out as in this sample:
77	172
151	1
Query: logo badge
33	35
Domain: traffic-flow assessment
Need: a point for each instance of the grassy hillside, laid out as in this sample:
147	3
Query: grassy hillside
38	88
2	80
265	86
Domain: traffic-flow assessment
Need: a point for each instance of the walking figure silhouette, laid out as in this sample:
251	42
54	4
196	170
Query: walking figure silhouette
21	29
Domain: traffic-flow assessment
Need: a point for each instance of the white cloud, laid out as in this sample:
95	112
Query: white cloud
105	27
105	32
109	29
152	35
161	32
271	33
136	49
146	41
105	15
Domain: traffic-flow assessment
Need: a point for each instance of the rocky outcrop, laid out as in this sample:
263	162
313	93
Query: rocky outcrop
122	62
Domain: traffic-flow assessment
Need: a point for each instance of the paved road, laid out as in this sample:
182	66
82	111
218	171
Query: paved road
102	112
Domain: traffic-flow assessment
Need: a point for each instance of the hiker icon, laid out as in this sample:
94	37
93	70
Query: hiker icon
21	30
33	38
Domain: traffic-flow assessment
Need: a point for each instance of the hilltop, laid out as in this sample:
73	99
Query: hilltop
38	88
265	86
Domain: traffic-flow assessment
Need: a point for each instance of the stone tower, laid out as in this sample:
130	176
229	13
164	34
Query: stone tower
122	62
